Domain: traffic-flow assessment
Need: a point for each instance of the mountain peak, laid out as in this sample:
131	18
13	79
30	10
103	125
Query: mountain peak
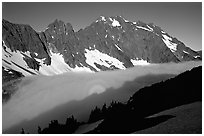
58	26
101	18
56	23
108	43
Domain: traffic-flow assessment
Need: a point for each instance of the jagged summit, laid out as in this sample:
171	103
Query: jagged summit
108	43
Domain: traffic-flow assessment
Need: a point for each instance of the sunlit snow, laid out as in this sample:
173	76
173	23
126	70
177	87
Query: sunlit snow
117	47
144	28
196	56
139	62
134	23
101	18
36	54
58	66
151	29
10	72
125	20
95	56
163	32
6	69
168	41
185	52
114	22
81	69
16	57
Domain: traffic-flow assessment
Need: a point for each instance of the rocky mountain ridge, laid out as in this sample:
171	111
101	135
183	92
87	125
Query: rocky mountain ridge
108	43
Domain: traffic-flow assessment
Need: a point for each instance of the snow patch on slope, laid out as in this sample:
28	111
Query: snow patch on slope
102	18
36	54
168	41
144	28
114	22
151	29
10	59
58	66
95	56
196	56
163	32
81	69
125	20
139	62
14	60
185	52
118	47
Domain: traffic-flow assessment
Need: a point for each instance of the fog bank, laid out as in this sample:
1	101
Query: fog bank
38	94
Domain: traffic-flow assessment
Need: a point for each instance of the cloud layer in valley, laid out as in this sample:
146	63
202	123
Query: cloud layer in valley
39	94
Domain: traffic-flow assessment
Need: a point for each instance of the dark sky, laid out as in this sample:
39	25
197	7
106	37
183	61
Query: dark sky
180	20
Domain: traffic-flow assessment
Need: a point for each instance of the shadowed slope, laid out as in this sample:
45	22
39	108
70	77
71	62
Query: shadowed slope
127	118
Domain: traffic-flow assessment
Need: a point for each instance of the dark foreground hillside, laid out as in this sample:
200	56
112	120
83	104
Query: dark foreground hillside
187	120
173	106
133	116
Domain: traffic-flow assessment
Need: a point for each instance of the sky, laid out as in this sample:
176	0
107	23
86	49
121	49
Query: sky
181	20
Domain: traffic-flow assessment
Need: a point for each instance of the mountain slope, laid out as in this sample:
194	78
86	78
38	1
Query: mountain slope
187	120
140	112
108	43
172	106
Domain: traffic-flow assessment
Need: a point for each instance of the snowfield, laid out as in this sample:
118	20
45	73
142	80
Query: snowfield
39	94
95	56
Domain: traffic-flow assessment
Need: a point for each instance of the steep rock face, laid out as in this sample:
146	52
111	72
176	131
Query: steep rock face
65	42
24	38
20	46
125	41
108	43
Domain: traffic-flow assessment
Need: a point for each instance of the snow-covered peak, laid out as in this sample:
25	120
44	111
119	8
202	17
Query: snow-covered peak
111	36
101	18
114	22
